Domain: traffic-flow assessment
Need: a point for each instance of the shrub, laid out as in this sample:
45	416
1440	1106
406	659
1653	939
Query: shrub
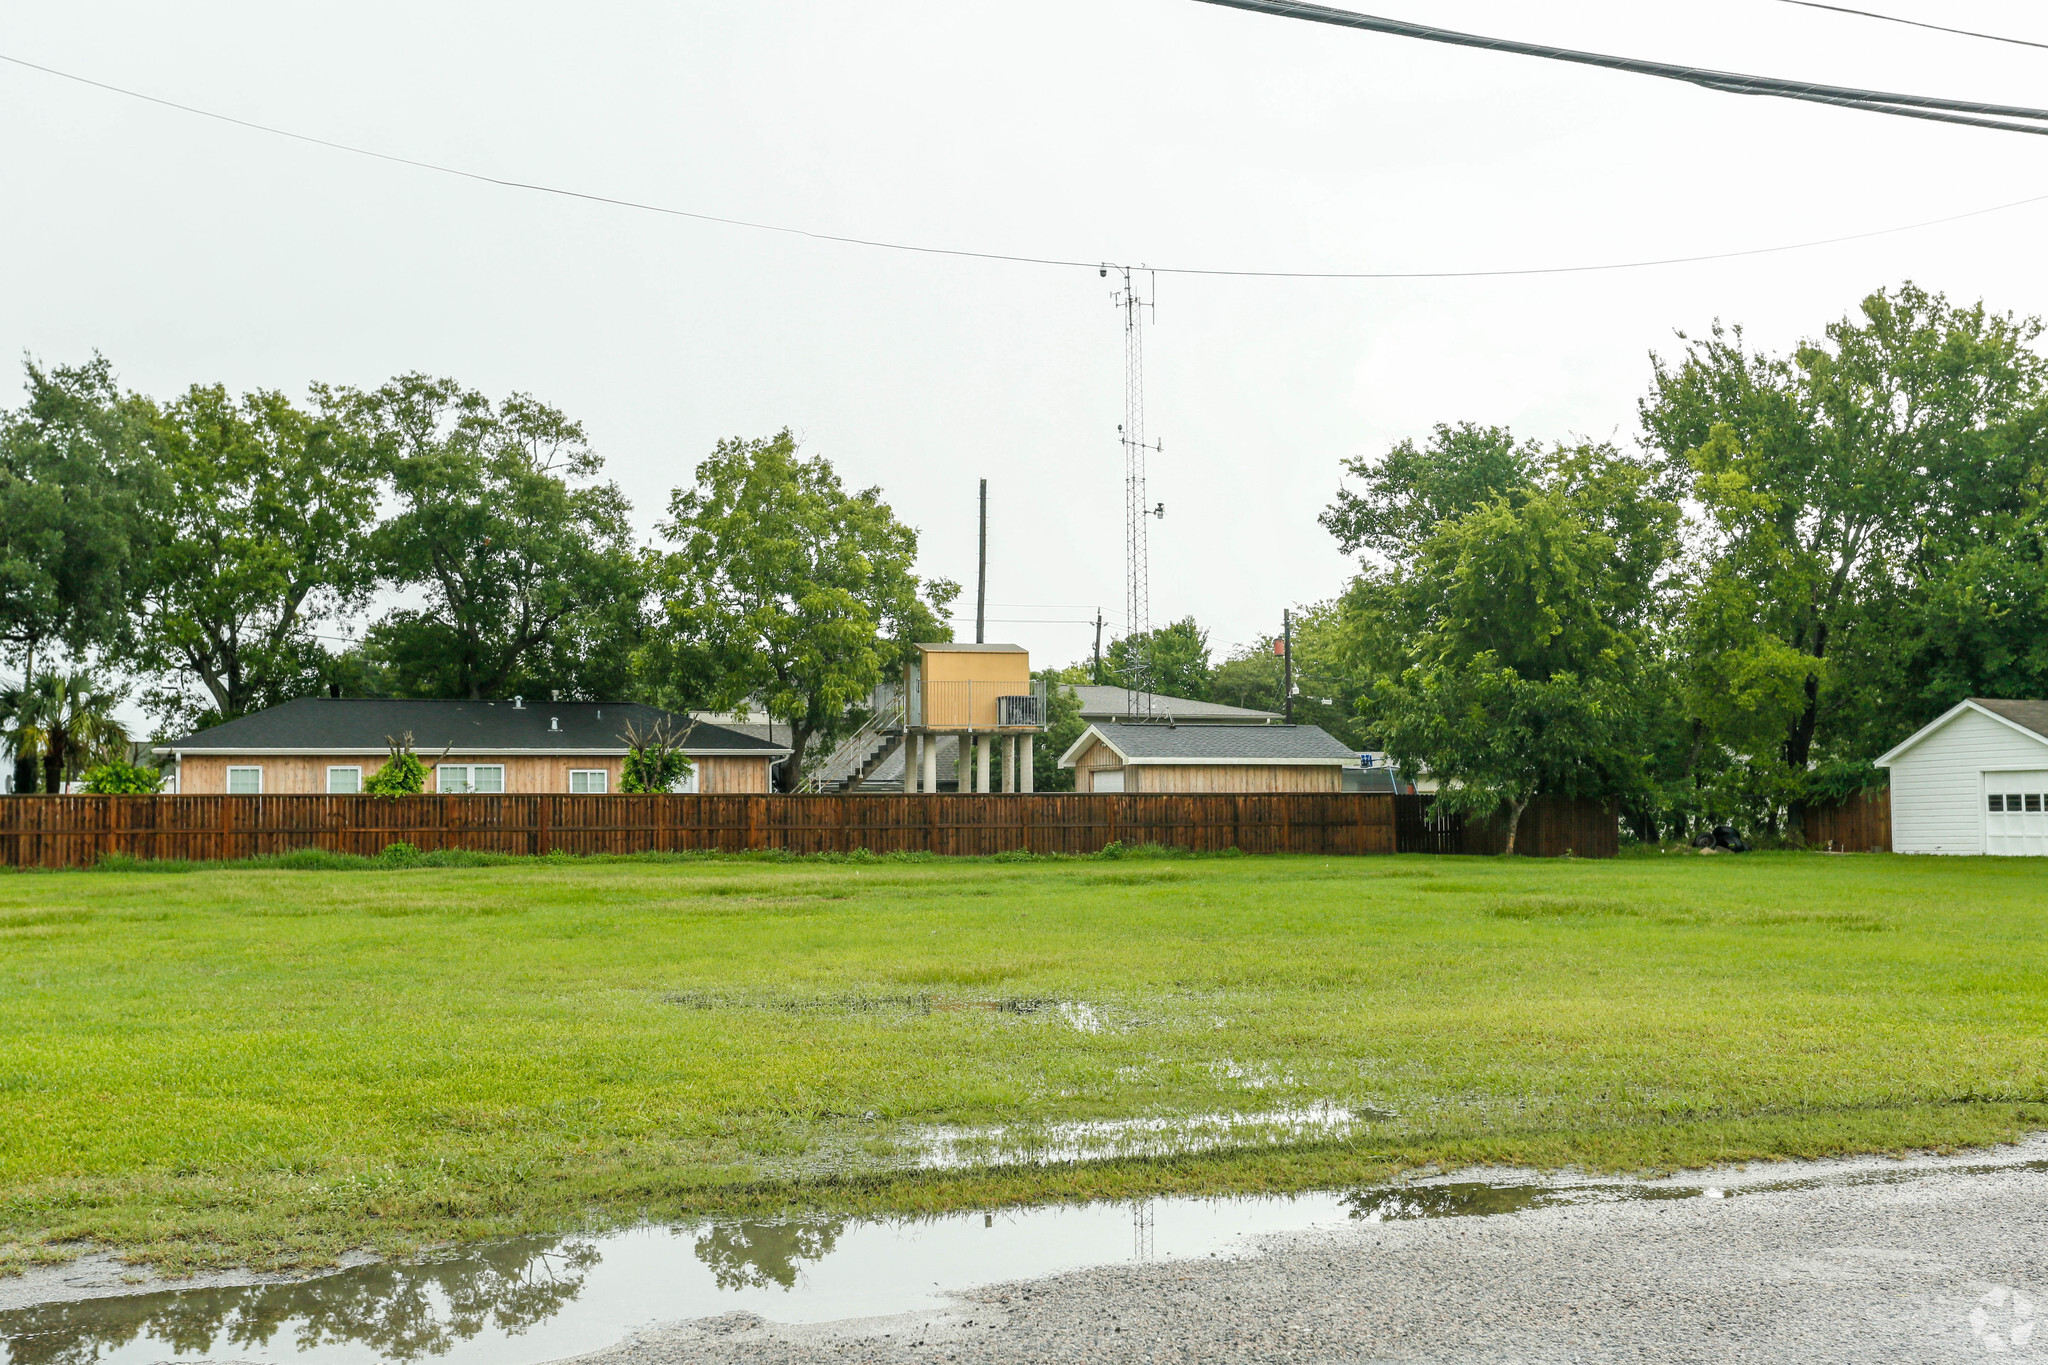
402	775
400	852
118	778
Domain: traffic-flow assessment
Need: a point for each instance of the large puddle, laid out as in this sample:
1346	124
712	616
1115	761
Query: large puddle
542	1298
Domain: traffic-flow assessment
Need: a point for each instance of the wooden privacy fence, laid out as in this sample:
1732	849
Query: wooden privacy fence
1550	827
74	831
1861	824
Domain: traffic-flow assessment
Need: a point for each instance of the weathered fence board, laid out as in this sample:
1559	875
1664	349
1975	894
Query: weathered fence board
74	831
1861	824
1550	827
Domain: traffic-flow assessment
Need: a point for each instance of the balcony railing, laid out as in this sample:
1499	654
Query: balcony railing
977	706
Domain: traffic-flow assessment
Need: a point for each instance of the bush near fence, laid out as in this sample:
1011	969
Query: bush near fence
75	831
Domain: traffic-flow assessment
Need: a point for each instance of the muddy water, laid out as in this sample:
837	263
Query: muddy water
542	1298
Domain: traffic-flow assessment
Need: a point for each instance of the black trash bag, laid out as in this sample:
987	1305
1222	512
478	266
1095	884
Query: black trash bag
1726	837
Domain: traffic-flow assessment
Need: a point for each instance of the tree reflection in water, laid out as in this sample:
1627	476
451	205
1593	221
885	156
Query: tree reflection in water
403	1312
756	1255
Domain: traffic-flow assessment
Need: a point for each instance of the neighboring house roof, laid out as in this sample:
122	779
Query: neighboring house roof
331	725
1261	745
1107	703
2029	718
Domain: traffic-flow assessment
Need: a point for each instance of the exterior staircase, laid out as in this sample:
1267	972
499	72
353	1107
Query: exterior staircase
861	753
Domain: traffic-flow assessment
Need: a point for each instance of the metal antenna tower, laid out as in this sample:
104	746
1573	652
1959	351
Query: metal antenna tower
1137	508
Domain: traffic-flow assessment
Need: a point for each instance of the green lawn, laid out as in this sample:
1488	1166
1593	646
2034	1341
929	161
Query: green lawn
274	1065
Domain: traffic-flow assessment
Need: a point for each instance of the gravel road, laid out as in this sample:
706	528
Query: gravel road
1931	1266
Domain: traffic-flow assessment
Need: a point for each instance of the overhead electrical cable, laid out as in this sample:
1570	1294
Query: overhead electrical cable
535	187
1976	113
1914	23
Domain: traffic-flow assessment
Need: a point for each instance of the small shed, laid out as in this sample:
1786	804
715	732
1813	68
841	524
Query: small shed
1113	757
1973	780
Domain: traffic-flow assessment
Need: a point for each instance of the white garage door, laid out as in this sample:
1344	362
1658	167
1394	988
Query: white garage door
2016	814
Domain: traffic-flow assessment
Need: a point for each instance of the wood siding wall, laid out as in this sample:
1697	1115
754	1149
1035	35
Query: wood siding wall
74	831
525	774
1862	824
1190	778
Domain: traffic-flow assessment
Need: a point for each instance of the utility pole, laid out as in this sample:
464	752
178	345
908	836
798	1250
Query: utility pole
981	576
1287	665
1098	646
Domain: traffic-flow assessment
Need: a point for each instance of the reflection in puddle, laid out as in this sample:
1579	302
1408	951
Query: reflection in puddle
941	1148
539	1299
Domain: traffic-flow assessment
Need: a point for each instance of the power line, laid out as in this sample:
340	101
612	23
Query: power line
1646	263
1915	23
1975	113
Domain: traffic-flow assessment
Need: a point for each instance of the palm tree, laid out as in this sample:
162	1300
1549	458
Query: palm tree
62	723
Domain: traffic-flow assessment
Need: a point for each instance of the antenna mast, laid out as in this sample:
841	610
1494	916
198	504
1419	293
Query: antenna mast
1138	682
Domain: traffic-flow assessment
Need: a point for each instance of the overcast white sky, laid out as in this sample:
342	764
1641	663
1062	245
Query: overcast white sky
1157	131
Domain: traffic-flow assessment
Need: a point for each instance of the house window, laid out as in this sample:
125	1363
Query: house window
686	785
589	781
1109	779
344	781
245	781
1997	803
487	779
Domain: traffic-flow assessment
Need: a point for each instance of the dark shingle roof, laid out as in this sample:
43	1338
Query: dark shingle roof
2031	714
1249	743
328	723
1105	702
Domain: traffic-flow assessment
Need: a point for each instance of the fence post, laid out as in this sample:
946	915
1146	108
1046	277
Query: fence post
543	843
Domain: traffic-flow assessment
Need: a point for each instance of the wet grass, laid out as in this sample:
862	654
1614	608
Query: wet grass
275	1063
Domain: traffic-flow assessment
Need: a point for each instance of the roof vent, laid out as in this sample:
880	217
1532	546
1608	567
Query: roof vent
519	703
554	722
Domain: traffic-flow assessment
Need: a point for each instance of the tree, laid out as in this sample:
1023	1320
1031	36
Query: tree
1412	490
1172	660
1841	483
1504	657
73	488
655	761
1063	725
1326	693
118	777
262	532
61	724
501	527
783	588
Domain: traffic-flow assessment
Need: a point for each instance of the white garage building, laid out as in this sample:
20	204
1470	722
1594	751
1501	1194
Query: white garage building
1973	781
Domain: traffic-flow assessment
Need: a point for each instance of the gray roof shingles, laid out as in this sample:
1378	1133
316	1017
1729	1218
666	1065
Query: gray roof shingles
1104	702
2031	714
1194	743
366	723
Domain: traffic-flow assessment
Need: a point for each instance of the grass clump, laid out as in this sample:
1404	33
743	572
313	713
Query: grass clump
278	1061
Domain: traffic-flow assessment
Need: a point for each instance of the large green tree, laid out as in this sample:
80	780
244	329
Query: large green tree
523	557
1502	653
74	488
1858	491
262	533
1171	660
780	587
1401	498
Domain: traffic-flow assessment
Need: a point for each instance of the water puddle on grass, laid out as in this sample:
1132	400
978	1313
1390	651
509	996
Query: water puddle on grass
534	1299
939	1148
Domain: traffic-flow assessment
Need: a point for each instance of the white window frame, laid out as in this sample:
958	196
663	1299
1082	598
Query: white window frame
686	785
469	773
256	768
356	768
604	781
1116	779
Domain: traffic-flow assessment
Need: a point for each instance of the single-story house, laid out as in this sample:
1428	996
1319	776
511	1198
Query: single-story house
329	745
1116	757
1973	780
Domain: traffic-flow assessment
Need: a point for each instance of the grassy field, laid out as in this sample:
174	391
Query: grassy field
273	1065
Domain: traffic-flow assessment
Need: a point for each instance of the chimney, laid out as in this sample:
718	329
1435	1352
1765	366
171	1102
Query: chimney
519	703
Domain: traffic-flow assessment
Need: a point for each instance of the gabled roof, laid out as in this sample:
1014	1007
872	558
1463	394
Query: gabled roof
1107	703
2029	718
1262	745
333	725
